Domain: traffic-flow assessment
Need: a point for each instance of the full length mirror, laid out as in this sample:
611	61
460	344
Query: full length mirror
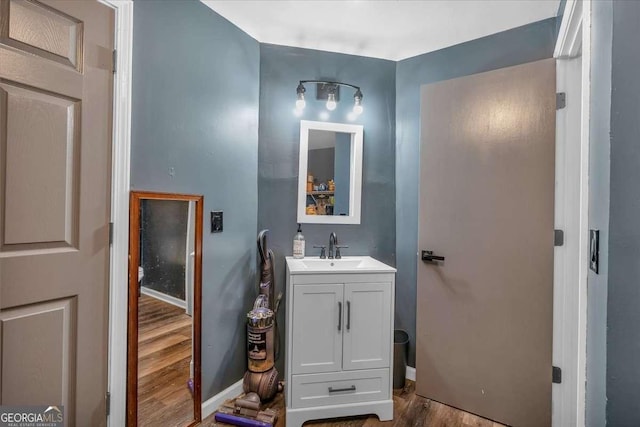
330	175
164	309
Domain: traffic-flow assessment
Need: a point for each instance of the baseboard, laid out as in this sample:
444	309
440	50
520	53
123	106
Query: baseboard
164	297
210	405
411	373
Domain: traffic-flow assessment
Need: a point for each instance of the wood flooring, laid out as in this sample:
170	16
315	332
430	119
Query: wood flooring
409	410
164	354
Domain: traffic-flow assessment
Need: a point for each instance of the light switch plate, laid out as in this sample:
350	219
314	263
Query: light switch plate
594	250
216	222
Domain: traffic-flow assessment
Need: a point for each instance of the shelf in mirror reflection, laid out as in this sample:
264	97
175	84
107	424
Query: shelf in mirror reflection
320	193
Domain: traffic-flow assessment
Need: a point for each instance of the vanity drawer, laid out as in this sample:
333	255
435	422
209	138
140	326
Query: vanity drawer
337	388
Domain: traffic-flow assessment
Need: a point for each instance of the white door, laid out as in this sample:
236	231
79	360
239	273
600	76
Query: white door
367	331
317	328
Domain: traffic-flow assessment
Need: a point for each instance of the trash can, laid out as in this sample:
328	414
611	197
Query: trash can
400	350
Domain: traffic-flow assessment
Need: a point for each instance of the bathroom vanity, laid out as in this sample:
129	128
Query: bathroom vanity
339	324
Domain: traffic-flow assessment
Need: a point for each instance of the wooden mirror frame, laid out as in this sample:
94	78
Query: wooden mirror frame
132	325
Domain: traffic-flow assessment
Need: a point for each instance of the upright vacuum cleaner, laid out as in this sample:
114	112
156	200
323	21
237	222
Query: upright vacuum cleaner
260	382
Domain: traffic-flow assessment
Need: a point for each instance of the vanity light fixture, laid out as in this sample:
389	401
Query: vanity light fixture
331	89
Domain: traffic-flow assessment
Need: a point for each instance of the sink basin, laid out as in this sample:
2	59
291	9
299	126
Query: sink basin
347	264
334	264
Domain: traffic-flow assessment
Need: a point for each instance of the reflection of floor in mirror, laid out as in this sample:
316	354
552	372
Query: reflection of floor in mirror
409	409
164	353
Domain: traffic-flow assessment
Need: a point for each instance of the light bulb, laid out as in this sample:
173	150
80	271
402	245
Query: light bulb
300	90
357	106
331	102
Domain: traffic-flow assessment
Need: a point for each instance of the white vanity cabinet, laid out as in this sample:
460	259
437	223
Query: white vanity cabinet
339	341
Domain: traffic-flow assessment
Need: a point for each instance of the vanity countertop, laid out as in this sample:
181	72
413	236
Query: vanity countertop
346	264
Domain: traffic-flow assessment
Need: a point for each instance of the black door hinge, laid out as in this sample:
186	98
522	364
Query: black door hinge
115	61
561	100
111	233
558	237
108	403
556	375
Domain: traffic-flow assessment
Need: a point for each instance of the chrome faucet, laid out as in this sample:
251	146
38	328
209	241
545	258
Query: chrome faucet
333	241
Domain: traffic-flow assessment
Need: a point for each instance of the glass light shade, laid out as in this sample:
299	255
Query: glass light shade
331	102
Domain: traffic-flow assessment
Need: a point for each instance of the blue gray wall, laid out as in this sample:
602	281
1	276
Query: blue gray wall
280	70
524	44
195	130
601	32
623	339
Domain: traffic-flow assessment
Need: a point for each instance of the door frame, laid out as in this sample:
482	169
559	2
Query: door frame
575	33
120	186
571	269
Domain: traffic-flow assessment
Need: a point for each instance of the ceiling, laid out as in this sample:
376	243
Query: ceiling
388	29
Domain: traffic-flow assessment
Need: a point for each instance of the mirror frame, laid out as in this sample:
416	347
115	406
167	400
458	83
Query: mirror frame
355	174
132	325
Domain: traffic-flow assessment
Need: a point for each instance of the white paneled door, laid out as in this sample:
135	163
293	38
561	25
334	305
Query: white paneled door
55	149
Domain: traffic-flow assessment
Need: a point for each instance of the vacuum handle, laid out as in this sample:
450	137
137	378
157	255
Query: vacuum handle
339	315
348	315
338	390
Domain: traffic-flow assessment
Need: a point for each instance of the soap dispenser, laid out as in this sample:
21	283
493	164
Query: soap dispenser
298	244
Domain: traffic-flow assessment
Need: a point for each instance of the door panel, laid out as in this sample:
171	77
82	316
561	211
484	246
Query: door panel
484	318
317	328
55	150
46	31
40	174
49	328
367	332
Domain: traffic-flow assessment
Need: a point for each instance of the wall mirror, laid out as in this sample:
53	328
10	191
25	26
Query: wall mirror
165	275
330	174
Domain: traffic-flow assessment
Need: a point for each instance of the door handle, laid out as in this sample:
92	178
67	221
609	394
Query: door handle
430	257
348	315
339	315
